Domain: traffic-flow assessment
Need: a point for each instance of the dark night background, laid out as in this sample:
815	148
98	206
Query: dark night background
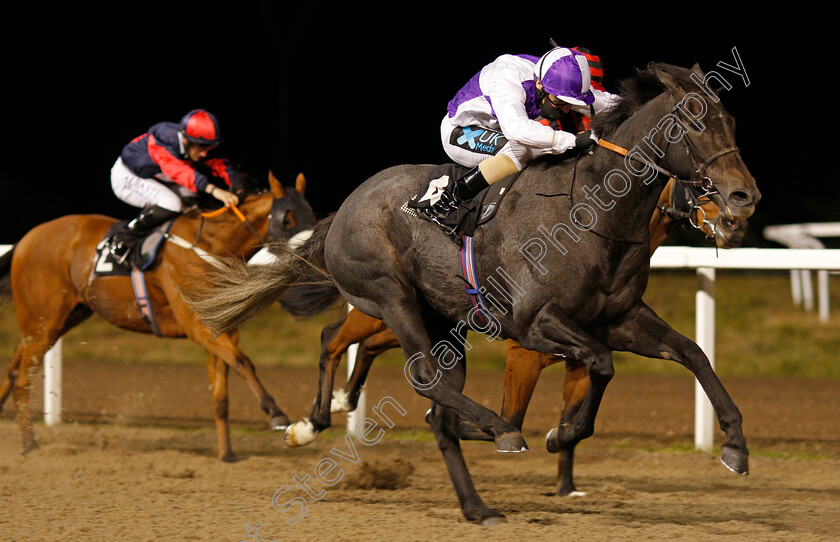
340	93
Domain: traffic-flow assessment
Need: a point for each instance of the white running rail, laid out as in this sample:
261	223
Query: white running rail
704	260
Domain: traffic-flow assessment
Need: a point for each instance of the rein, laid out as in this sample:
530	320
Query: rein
204	255
704	183
239	215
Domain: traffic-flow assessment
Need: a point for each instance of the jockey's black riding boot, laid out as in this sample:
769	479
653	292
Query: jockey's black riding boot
464	189
148	219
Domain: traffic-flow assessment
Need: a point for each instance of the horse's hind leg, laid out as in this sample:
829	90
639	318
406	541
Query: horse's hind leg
426	363
41	321
10	377
336	338
32	351
445	425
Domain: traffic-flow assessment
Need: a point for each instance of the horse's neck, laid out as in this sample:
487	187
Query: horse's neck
634	208
226	233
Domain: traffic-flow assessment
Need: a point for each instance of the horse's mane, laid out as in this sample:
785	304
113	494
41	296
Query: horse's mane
635	91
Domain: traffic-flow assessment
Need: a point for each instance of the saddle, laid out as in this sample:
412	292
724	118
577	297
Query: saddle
142	253
471	214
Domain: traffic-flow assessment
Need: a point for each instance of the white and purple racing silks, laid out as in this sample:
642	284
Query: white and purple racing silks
503	96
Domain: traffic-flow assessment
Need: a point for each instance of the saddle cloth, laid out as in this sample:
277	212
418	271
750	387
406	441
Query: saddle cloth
142	259
471	214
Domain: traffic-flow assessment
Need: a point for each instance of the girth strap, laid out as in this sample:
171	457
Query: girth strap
469	277
138	281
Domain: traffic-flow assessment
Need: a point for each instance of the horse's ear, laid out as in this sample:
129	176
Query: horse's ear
664	77
276	187
300	183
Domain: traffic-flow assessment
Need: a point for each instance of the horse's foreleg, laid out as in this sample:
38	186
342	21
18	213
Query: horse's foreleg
554	332
369	349
224	347
232	356
642	332
574	391
336	338
522	371
217	371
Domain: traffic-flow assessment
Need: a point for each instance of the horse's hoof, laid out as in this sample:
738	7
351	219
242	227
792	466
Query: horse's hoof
28	447
570	493
493	520
552	444
481	514
512	442
735	460
229	457
339	402
300	434
566	489
279	423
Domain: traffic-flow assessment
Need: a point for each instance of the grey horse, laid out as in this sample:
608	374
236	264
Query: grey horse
565	262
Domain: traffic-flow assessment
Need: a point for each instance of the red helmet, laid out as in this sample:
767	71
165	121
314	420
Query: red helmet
200	126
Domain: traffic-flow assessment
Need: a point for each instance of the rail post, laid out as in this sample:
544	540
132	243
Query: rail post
358	414
52	385
704	414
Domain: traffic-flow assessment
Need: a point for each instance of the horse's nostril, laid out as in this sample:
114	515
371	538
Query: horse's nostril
740	198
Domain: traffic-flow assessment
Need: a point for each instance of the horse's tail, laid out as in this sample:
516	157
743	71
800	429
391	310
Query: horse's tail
234	292
305	300
6	275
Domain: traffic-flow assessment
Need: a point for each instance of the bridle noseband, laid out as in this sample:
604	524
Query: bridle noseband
686	204
698	181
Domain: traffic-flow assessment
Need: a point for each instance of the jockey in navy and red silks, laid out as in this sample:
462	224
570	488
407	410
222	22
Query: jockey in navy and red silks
492	124
169	162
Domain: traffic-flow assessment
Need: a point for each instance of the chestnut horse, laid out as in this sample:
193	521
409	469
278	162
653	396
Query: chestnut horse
55	288
677	204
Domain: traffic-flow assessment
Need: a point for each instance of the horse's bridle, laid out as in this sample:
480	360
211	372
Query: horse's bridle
241	216
686	204
698	180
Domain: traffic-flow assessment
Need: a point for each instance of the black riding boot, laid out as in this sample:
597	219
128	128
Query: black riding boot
148	219
464	189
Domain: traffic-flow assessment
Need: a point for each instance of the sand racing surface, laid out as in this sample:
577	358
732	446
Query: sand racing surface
135	459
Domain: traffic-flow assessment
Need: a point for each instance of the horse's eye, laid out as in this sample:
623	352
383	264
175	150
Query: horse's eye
289	221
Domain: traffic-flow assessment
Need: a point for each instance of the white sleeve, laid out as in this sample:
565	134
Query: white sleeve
603	101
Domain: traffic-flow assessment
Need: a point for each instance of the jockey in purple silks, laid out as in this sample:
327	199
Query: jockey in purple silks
159	168
491	123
